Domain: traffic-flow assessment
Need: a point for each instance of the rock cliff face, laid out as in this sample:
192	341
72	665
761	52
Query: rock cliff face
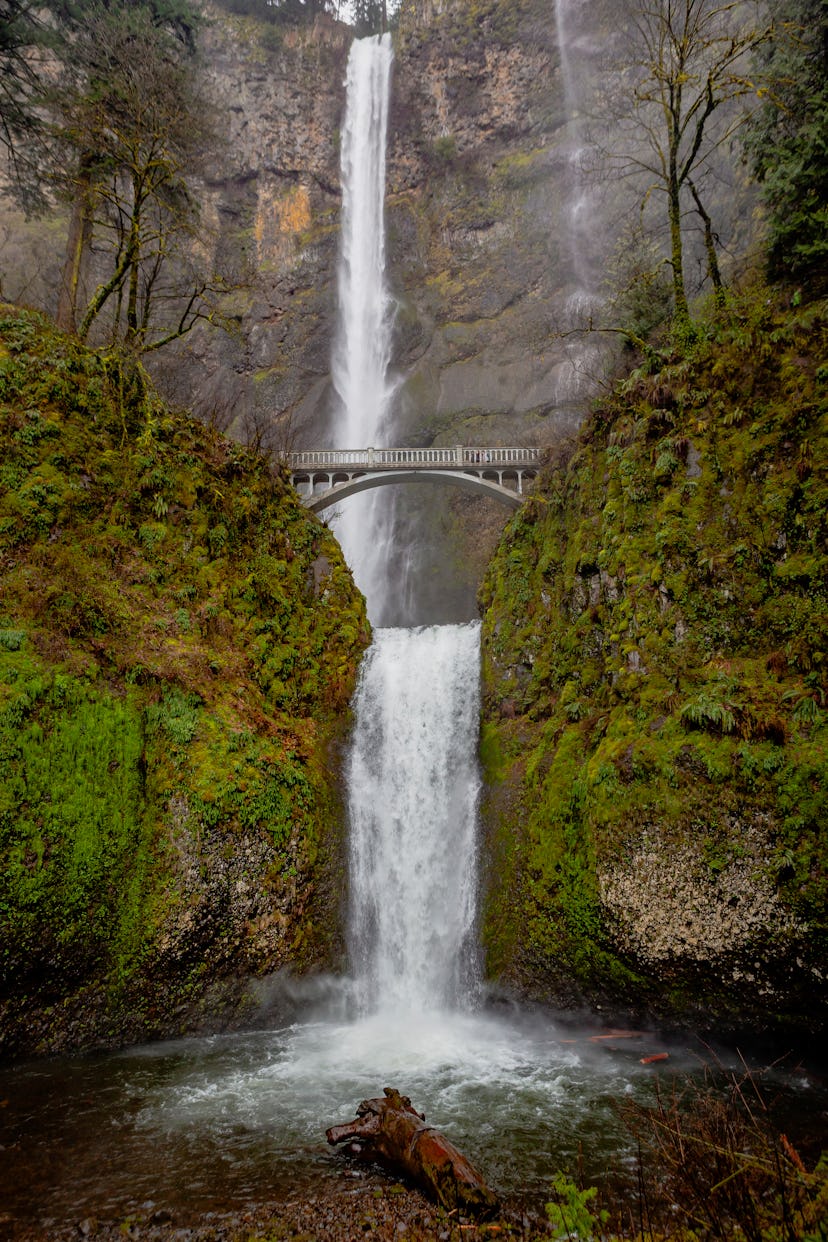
478	257
654	641
270	205
475	193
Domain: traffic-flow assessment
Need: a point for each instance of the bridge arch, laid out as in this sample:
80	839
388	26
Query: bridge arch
341	490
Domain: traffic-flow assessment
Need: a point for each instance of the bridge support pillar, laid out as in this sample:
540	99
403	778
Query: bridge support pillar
458	454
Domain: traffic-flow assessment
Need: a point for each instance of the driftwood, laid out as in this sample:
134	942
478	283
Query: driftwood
393	1133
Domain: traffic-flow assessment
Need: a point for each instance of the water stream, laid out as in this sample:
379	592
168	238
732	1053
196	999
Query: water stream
578	219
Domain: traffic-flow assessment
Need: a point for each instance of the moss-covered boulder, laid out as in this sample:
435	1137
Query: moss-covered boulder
655	655
178	644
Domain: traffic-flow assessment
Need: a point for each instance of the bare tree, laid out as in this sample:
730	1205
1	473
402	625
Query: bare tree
676	103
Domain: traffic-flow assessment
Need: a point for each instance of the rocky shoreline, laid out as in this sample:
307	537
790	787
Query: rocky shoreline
362	1204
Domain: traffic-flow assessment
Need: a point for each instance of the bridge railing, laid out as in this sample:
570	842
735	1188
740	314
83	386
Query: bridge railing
500	456
455	456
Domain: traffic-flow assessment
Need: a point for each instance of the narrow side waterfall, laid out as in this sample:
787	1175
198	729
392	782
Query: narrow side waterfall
362	346
577	208
413	782
580	214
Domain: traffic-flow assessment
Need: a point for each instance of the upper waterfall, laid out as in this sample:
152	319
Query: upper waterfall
362	347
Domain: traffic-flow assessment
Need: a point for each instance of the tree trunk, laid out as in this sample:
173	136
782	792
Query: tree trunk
393	1133
135	251
682	310
103	293
710	248
77	242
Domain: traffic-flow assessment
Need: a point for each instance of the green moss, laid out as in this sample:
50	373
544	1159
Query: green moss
178	645
71	823
656	616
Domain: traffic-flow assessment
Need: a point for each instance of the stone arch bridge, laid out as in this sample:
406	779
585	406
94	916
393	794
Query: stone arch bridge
324	476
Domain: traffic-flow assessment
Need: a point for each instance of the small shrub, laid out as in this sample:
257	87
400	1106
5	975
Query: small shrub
445	148
706	712
807	712
569	1212
271	38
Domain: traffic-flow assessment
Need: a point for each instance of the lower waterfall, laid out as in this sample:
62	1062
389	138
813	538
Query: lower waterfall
413	786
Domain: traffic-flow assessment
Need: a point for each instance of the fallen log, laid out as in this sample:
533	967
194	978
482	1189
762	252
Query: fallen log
393	1133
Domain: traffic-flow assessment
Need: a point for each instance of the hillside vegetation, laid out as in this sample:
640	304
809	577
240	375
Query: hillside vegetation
178	645
655	679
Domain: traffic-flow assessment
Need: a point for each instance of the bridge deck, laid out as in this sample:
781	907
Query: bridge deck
454	457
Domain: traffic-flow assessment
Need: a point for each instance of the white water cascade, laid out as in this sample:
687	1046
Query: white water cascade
413	784
362	346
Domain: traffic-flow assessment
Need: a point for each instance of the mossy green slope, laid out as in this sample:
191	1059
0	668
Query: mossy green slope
178	643
655	685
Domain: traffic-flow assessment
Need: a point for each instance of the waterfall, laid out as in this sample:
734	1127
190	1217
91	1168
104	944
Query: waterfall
362	346
412	773
578	205
413	782
580	209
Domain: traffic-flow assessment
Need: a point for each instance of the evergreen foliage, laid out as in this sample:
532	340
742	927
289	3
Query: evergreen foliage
788	143
178	643
370	16
24	37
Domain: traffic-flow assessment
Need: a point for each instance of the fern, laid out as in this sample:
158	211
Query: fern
706	712
807	712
